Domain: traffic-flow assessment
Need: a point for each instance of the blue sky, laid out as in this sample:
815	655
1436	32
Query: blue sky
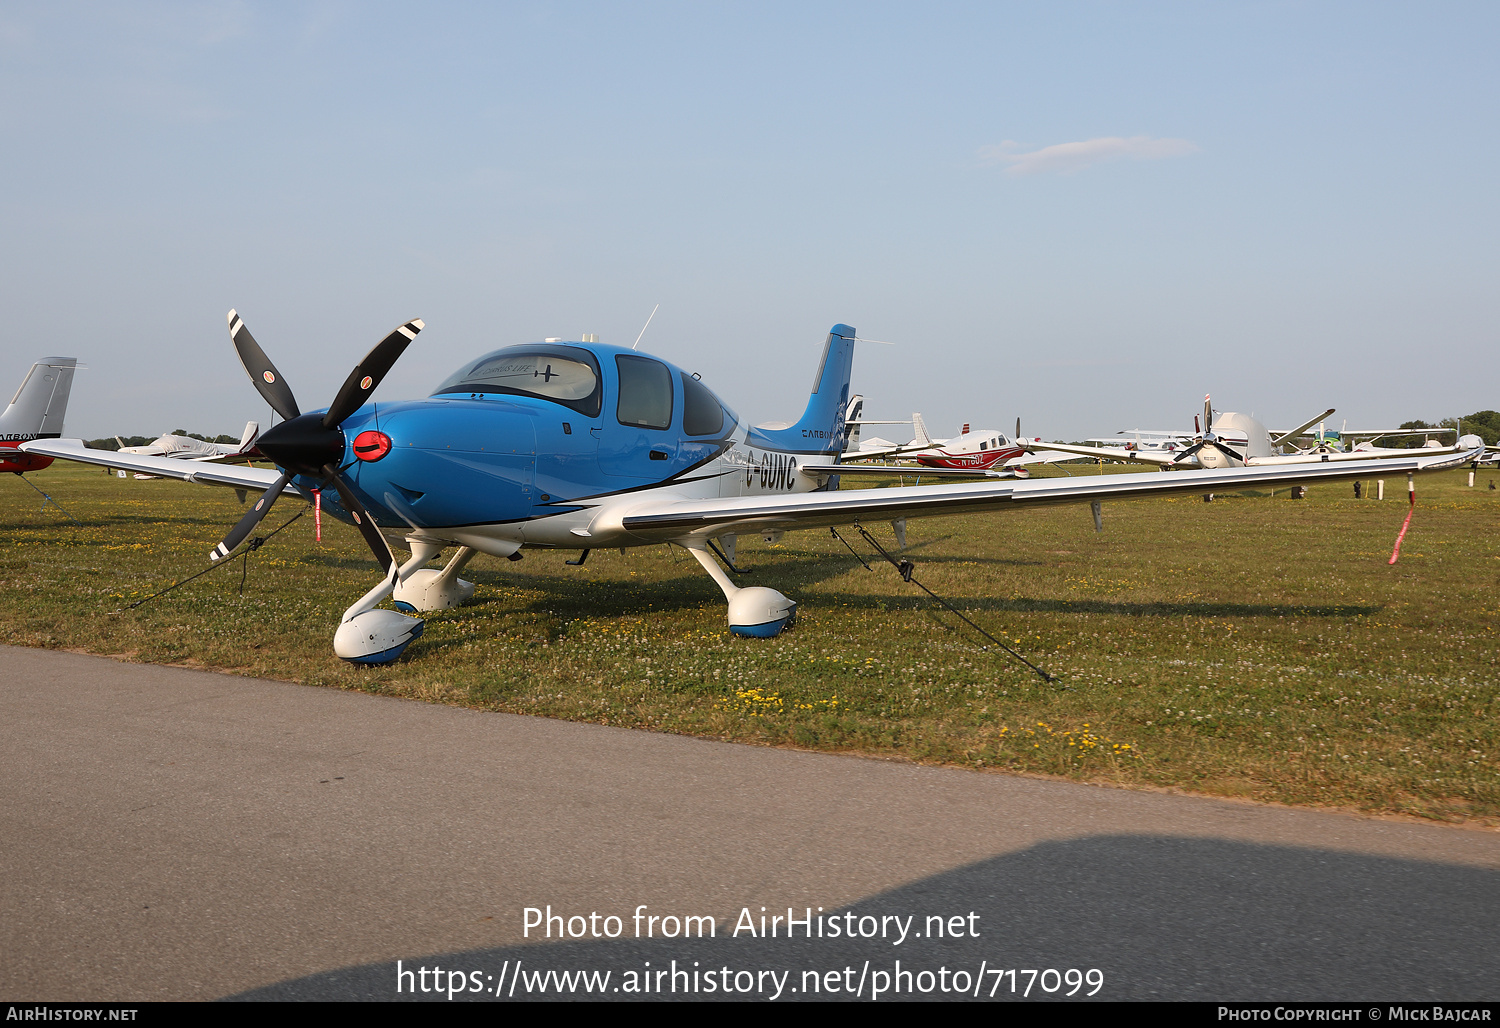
1086	215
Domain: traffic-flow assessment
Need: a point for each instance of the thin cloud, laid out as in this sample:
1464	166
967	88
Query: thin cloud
1066	158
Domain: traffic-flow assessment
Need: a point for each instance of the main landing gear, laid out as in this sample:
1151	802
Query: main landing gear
753	610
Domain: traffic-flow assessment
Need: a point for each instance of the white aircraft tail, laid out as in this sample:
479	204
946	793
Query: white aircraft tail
1294	434
852	424
36	411
252	433
920	427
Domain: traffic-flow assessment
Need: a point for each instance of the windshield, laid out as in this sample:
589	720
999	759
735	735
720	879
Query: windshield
565	375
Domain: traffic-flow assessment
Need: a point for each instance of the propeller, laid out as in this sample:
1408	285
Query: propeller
1207	438
312	444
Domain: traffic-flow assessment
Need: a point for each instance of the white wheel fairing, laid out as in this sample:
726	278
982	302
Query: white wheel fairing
760	612
376	636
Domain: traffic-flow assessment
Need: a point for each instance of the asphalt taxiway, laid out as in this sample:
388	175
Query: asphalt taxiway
168	833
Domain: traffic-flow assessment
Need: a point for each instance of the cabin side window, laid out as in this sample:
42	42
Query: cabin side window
645	392
702	413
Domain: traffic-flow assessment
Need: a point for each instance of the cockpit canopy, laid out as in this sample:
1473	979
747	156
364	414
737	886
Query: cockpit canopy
571	376
568	375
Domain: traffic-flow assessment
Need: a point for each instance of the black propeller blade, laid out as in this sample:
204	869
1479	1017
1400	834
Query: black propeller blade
1227	451
362	519
261	371
1185	454
241	531
367	374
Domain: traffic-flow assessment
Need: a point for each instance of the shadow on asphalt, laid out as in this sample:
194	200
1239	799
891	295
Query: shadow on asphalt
1163	918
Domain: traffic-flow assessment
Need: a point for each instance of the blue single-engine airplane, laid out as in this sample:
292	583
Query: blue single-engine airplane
582	446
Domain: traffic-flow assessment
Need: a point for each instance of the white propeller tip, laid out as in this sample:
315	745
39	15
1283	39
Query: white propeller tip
232	315
418	323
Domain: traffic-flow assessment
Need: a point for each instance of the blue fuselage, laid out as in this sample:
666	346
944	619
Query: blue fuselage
527	444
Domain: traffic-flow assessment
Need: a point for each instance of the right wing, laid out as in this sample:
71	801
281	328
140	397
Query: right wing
667	520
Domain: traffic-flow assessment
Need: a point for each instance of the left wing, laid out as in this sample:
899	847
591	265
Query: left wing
689	519
202	472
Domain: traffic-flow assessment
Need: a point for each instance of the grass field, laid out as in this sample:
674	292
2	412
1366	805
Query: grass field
1258	647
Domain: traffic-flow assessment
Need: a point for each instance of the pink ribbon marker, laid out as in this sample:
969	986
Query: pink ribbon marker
1411	493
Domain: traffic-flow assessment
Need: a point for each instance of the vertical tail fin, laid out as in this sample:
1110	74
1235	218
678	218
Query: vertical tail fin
36	411
821	428
919	428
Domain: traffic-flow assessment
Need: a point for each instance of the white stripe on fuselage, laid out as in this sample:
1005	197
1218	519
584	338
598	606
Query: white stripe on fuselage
741	470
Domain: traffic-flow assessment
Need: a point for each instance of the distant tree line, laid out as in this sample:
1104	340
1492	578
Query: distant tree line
1484	423
113	443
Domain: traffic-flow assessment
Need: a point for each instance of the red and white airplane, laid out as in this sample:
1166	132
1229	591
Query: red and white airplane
36	412
982	451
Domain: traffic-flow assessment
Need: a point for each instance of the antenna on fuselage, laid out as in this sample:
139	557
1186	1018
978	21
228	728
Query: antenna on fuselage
645	326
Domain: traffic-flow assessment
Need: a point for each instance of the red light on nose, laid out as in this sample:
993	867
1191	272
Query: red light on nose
371	445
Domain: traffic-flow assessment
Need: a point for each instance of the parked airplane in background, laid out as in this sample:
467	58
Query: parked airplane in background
1144	439
1232	440
581	445
1364	439
969	452
185	447
36	412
